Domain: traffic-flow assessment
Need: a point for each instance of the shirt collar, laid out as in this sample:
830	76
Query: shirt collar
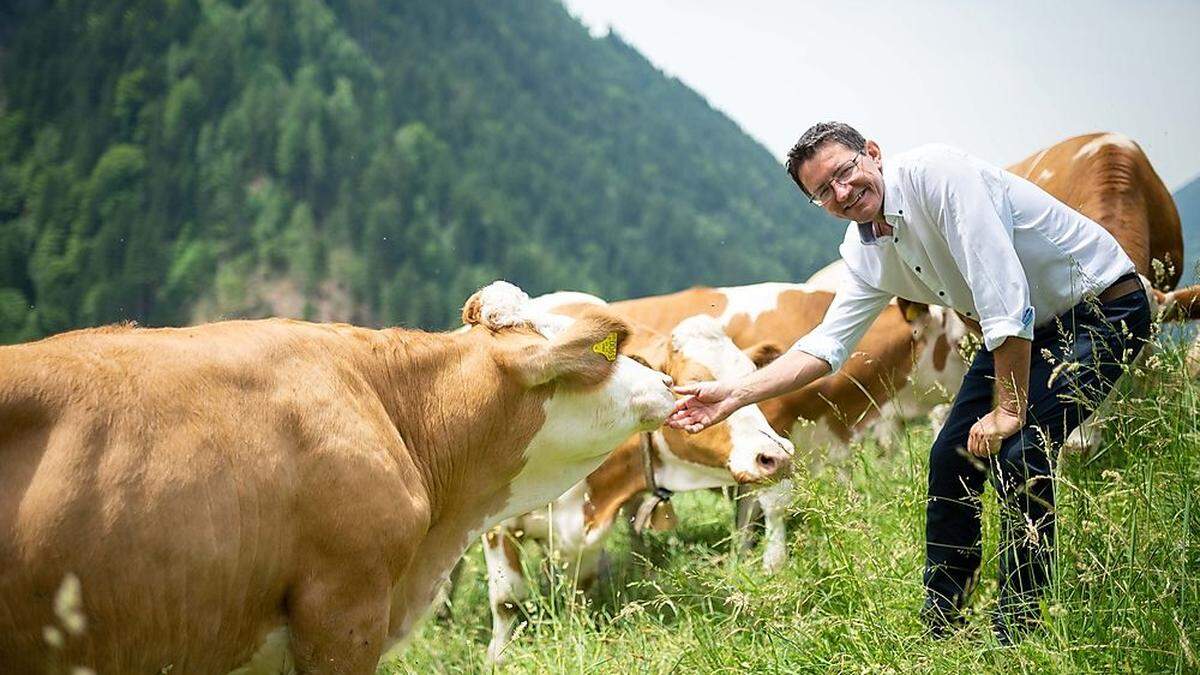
893	205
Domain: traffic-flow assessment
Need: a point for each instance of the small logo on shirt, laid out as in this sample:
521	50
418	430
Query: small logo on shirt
1027	317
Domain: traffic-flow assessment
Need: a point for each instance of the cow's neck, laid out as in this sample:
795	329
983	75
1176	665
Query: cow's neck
615	482
461	425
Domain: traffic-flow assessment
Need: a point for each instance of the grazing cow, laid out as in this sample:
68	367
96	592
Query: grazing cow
836	408
828	413
652	465
280	493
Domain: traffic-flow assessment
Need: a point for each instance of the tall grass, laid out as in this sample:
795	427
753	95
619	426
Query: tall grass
1126	593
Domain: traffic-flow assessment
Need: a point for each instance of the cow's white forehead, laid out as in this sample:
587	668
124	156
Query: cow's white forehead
503	305
702	339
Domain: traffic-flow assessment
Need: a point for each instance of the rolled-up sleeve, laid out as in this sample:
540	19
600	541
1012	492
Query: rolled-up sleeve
854	307
981	243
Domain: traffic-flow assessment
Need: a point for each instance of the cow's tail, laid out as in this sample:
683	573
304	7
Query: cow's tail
1182	304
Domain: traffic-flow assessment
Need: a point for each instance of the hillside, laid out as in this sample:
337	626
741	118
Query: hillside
169	162
1187	199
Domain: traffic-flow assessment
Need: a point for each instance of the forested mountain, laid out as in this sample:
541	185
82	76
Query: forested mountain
171	161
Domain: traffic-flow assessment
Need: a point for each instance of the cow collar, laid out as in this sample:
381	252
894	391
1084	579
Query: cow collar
658	494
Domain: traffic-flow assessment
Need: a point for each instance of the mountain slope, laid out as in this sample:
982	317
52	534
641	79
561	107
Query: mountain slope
1187	200
375	162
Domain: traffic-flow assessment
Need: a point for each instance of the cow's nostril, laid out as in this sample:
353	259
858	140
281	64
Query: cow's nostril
767	462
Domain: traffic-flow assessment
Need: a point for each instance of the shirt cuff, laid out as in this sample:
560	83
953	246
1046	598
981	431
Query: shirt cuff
825	348
999	328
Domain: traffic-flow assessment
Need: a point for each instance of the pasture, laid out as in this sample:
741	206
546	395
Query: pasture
1126	595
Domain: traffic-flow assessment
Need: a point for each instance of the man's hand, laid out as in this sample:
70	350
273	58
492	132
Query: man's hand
991	429
703	405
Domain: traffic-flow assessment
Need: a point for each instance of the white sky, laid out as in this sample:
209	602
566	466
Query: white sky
998	79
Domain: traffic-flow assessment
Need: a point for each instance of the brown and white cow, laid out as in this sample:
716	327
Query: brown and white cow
742	450
216	493
821	419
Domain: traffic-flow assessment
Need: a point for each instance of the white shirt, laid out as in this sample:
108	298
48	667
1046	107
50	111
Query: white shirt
972	237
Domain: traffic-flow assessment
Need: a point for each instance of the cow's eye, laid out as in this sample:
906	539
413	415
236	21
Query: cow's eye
640	360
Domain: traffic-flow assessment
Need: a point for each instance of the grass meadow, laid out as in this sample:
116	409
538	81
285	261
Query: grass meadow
1126	595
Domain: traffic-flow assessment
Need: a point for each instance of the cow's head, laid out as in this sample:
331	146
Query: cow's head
594	398
744	448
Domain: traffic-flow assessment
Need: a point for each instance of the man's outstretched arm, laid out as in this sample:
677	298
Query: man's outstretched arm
814	355
706	403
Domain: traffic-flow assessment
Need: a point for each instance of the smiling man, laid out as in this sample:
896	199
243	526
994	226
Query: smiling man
1045	285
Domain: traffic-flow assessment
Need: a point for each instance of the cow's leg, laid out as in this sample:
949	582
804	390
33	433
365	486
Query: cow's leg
774	501
1085	439
747	514
889	428
937	418
338	619
444	600
507	588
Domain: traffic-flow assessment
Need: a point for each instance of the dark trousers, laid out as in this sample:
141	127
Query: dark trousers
1099	338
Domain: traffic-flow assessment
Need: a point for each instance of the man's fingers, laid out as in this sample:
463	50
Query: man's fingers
690	419
973	442
686	389
684	403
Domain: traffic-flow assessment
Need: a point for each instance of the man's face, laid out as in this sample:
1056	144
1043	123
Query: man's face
860	196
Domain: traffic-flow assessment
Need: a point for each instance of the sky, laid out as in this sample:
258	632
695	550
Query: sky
1000	80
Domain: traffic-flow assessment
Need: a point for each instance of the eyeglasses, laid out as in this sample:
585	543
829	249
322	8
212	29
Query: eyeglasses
844	173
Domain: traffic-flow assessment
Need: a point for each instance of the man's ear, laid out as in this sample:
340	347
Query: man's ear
911	310
872	150
582	355
763	353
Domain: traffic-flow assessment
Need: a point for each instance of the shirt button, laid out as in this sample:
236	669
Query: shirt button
970	314
897	239
918	269
942	293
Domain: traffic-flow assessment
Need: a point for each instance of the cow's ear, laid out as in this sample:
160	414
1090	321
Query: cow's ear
472	312
582	355
911	310
763	353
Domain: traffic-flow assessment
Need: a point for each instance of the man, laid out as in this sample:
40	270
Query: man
1060	310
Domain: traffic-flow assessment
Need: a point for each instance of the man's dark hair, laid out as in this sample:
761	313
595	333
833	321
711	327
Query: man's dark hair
817	136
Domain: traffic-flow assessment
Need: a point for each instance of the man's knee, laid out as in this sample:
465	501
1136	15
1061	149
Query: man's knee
1022	463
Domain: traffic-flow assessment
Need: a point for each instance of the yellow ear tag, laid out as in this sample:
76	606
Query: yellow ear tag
607	347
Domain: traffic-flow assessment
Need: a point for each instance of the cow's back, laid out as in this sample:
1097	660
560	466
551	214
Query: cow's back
1107	177
119	465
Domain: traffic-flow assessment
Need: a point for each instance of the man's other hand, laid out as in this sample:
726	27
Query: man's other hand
703	405
990	431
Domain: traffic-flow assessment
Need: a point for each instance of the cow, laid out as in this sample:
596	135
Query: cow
828	414
650	466
278	493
